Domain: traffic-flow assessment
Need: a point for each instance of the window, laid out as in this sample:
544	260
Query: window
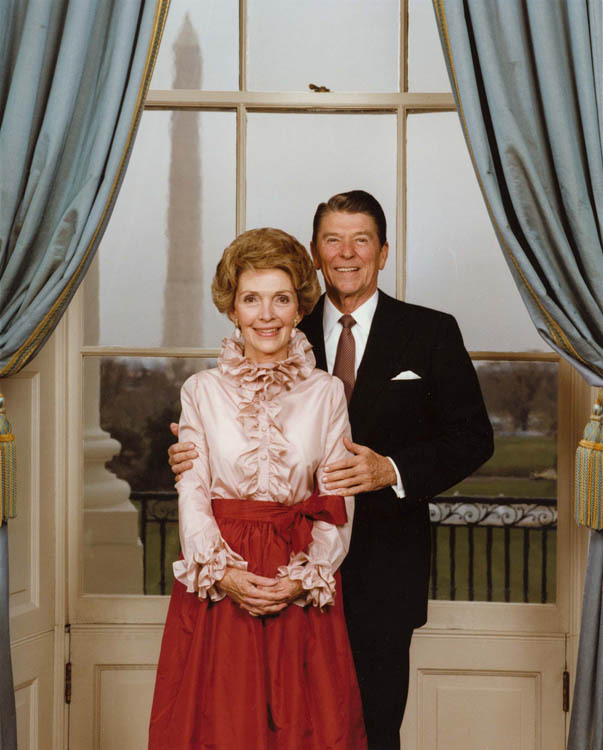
258	110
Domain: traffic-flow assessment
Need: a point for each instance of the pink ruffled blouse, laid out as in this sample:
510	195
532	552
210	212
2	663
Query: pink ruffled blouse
262	432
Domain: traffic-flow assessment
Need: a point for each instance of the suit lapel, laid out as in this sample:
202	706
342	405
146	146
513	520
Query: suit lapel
312	326
382	357
384	351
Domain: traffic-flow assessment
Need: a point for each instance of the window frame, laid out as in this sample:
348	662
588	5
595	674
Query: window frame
402	103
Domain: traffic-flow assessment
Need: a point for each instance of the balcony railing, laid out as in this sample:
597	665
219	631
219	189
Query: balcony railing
475	544
526	527
158	511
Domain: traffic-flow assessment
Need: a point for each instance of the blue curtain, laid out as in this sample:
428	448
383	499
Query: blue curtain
527	77
528	84
586	724
73	81
8	727
73	78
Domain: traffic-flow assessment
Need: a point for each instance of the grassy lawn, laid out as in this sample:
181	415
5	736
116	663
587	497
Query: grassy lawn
478	486
519	456
508	473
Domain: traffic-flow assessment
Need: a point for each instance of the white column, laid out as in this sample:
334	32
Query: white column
112	547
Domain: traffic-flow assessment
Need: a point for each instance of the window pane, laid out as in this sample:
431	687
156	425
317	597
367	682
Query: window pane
345	46
454	261
200	47
130	505
331	154
495	533
426	66
174	216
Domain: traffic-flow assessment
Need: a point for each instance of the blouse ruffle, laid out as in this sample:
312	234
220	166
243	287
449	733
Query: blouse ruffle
206	566
315	572
258	386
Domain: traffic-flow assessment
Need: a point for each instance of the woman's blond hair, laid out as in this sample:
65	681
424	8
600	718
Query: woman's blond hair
262	249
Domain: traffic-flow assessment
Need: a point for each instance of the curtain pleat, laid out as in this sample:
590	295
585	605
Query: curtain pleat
586	724
80	72
523	74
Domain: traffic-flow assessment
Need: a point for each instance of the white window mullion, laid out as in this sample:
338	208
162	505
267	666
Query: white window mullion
241	218
243	45
401	205
403	86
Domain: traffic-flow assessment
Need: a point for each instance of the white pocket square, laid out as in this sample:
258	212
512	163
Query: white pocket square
407	375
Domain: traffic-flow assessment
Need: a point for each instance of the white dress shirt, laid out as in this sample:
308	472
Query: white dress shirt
332	329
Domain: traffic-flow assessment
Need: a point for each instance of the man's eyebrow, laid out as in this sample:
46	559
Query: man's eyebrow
339	234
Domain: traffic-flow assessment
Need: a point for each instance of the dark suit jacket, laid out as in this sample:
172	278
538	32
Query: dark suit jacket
435	429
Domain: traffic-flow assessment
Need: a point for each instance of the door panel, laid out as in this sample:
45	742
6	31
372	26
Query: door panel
113	677
472	691
35	547
33	672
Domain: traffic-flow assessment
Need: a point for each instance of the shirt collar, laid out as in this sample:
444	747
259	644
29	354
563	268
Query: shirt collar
363	315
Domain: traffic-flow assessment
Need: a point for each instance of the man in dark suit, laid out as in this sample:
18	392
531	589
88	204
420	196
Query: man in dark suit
419	426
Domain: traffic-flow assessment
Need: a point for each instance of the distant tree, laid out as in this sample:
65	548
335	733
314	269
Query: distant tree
157	473
138	401
517	390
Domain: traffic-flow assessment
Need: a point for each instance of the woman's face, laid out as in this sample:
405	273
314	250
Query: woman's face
266	307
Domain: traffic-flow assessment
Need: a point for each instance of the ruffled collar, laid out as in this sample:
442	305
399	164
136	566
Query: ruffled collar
257	385
268	377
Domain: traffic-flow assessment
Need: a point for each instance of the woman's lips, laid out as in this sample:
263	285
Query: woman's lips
266	332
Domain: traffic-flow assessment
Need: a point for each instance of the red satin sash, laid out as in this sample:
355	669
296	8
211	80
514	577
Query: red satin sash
293	523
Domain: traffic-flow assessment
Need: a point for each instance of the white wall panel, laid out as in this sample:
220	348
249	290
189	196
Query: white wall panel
23	405
33	660
113	681
478	691
123	698
26	704
35	410
469	709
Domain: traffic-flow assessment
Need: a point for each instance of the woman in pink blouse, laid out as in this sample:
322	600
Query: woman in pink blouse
255	652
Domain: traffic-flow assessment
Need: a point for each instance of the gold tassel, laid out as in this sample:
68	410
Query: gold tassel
589	471
8	468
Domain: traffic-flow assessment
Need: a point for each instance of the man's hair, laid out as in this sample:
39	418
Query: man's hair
262	249
353	202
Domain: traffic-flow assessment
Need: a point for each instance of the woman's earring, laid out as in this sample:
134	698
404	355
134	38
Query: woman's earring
237	332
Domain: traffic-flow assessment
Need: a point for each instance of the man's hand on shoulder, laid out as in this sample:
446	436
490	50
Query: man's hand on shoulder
181	455
364	471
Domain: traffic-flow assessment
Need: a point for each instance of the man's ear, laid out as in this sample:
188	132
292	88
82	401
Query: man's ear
383	256
315	256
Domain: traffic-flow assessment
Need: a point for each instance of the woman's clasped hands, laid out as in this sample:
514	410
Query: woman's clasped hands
259	595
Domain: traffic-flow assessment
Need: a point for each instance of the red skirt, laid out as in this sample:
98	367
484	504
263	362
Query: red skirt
226	679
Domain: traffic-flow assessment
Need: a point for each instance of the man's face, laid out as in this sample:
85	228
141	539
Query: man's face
350	256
